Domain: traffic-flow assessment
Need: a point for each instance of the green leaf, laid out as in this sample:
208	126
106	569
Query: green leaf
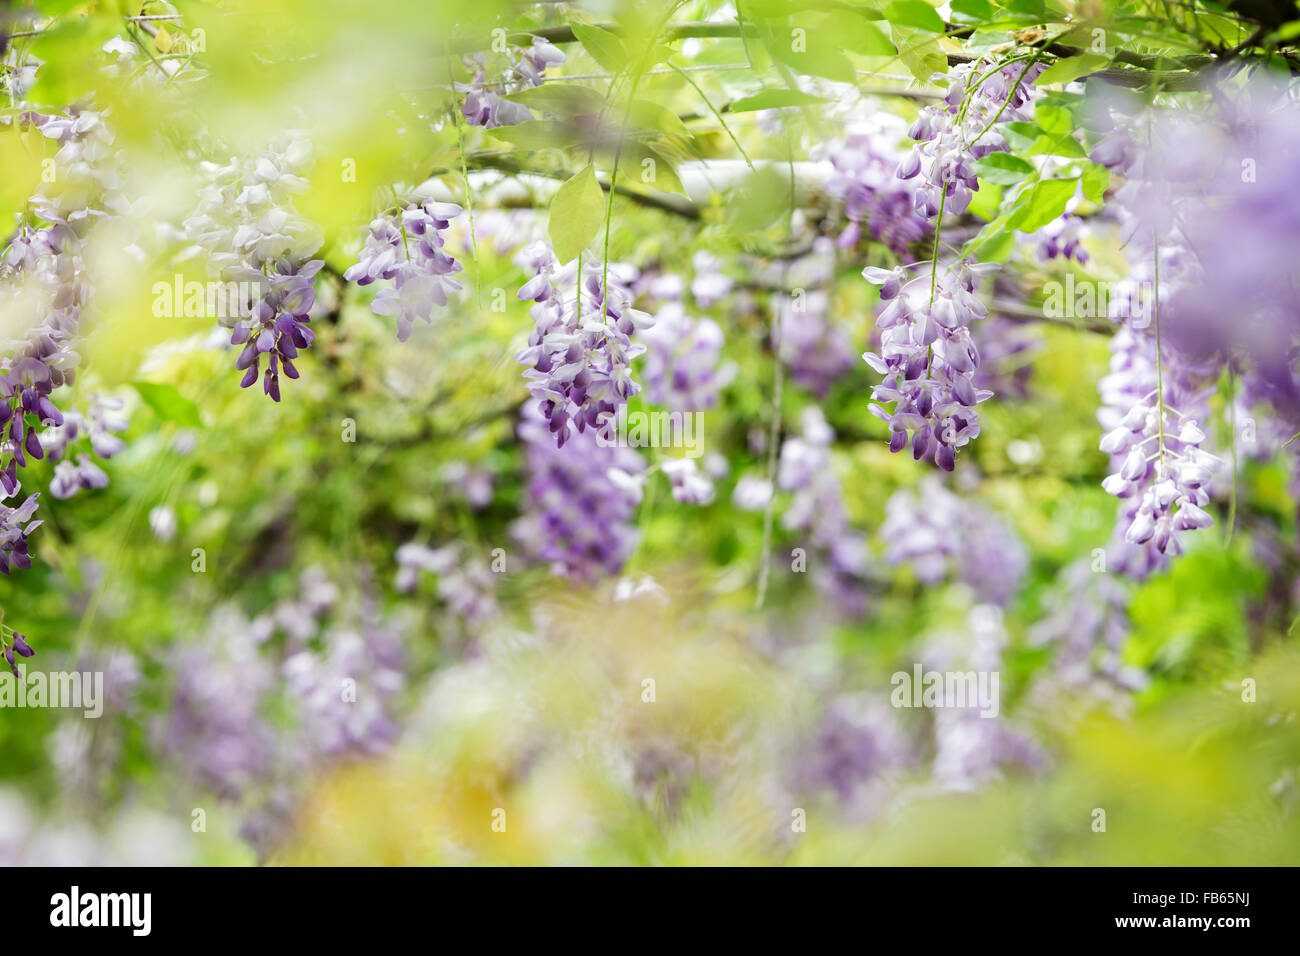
605	48
169	404
920	52
760	200
648	114
1094	180
1054	119
810	52
773	100
537	134
1041	203
1071	68
1061	145
659	174
986	201
565	99
914	13
1003	169
577	211
980	11
857	34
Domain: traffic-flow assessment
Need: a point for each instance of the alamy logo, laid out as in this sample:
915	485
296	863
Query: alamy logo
659	429
206	300
72	689
102	909
955	689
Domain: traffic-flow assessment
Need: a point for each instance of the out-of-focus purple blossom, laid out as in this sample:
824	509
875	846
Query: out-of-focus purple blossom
806	468
710	284
929	359
971	749
941	535
580	352
464	582
96	431
856	747
683	368
815	349
1087	624
484	105
1006	347
752	493
580	501
1063	237
689	485
863	164
407	248
473	484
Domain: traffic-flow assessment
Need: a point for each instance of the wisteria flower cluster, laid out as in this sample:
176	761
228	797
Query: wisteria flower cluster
579	355
408	248
247	224
928	359
954	135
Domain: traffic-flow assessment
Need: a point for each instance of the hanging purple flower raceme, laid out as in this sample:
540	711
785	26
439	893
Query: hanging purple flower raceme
580	353
581	499
484	106
252	233
928	359
408	249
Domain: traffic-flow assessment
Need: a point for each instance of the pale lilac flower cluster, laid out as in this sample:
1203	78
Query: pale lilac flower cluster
485	107
953	136
1159	468
92	432
928	359
683	368
15	525
247	224
579	355
941	536
581	499
407	248
862	180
